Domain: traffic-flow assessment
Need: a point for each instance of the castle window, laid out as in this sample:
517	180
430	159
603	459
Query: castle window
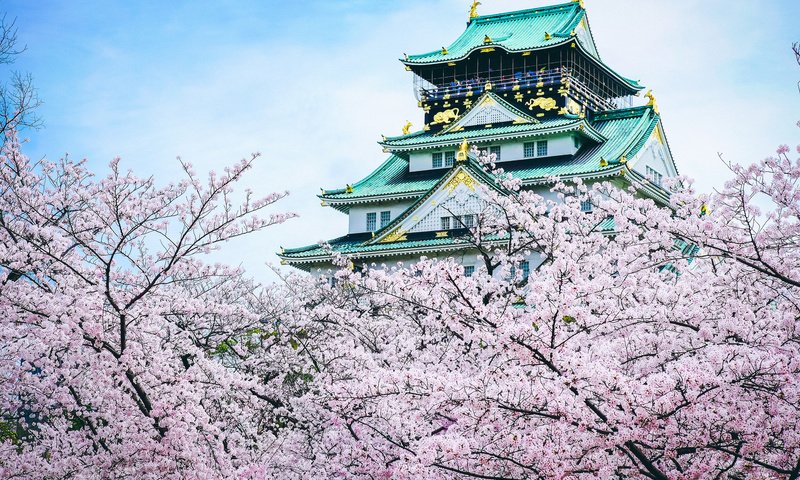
529	149
469	270
449	158
496	150
385	218
469	221
654	176
445	223
525	268
541	148
371	221
437	160
586	205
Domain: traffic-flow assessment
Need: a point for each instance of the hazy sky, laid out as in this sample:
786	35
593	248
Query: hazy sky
313	84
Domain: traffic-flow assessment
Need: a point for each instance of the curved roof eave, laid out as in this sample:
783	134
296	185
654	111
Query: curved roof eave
582	126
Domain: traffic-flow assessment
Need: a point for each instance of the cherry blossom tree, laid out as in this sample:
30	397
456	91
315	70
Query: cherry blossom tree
123	354
651	342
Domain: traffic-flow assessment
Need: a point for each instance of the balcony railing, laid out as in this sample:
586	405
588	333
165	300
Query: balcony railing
427	92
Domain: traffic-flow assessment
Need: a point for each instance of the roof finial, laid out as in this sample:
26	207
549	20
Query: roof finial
406	128
652	102
580	3
473	10
461	156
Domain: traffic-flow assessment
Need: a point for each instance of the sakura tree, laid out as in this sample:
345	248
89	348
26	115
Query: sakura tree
651	342
122	354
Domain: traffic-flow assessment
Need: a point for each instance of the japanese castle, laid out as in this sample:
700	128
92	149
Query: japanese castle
528	86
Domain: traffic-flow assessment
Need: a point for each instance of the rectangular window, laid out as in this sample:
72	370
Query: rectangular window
586	205
371	221
496	151
529	149
437	160
541	148
469	221
385	217
449	158
445	223
469	270
525	266
654	176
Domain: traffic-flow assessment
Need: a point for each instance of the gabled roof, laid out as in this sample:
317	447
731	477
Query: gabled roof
489	100
461	173
624	132
518	31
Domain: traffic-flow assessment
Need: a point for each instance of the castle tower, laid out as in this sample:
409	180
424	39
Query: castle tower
528	86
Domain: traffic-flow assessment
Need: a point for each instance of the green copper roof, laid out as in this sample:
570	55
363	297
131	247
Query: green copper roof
625	132
391	178
513	31
520	31
419	140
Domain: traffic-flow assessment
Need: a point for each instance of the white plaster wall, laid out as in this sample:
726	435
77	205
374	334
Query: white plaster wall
509	151
648	157
358	214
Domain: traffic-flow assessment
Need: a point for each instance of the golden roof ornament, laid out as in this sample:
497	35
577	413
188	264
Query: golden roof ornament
487	39
473	9
461	156
652	101
547	36
348	188
406	128
580	3
444	51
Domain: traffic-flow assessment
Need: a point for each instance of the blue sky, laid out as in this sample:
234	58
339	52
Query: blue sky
313	84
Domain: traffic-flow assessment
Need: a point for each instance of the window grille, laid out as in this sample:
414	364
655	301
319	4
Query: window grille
436	160
496	150
371	221
445	223
654	176
586	205
469	221
469	270
385	218
529	149
449	158
541	148
525	266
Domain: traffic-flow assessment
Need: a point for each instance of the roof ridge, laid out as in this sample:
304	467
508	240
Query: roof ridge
525	12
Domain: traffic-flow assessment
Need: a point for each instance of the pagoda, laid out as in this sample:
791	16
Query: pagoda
528	86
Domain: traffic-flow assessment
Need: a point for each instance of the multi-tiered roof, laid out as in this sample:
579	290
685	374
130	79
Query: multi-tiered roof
510	77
